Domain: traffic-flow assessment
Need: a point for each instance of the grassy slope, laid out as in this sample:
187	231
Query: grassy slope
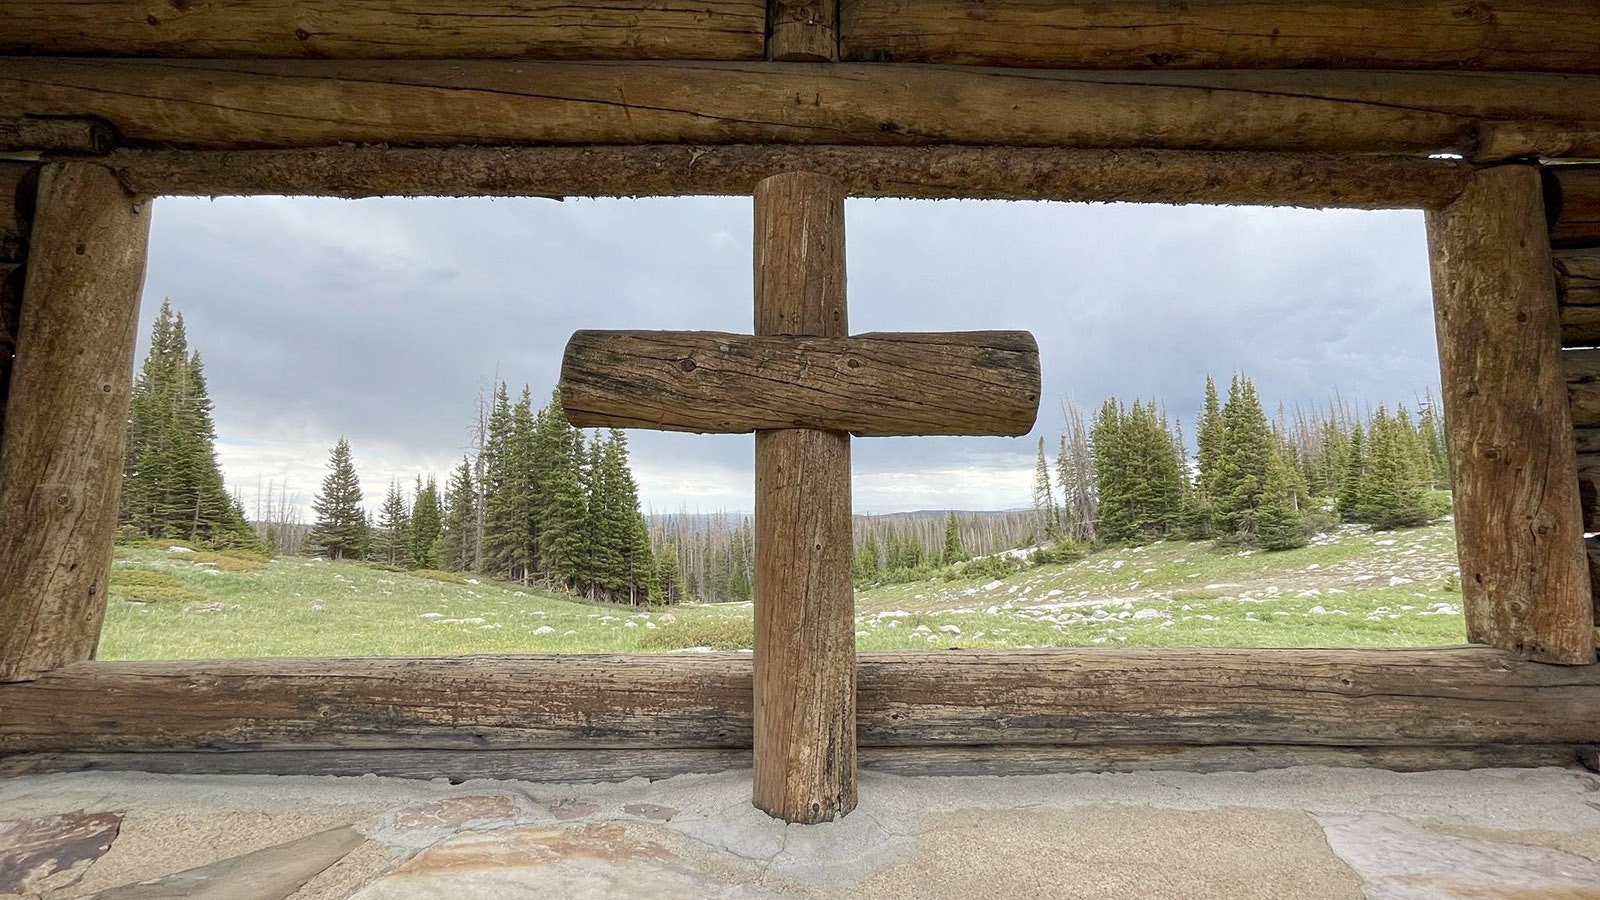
1353	588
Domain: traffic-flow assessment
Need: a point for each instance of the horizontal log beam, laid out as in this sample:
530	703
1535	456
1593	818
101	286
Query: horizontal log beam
1574	206
1553	35
1447	697
1578	276
585	765
870	385
31	134
388	29
1580	325
308	103
981	173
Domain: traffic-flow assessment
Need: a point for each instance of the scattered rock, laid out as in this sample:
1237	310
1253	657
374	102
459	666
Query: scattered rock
53	852
544	629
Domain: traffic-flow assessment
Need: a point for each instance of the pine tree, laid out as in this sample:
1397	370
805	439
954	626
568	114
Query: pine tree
1246	455
1355	464
669	587
426	519
1279	523
1391	489
172	485
508	550
953	551
458	528
394	528
341	527
867	566
1208	442
1044	498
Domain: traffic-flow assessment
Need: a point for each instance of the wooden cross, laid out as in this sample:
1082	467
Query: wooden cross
803	387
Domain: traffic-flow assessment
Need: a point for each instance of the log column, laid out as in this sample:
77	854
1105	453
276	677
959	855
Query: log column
61	451
805	706
1524	579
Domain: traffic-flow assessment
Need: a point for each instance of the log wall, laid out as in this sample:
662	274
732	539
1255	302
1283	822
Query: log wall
1445	697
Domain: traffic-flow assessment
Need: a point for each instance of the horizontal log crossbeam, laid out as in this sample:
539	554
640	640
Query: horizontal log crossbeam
870	385
1443	697
655	170
1507	34
232	104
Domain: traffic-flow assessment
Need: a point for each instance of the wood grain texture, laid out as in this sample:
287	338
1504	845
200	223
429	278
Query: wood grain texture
65	134
1151	34
1519	524
1578	276
1446	697
993	173
803	30
387	29
18	182
1582	371
1575	205
805	693
587	766
957	383
1580	325
61	452
309	103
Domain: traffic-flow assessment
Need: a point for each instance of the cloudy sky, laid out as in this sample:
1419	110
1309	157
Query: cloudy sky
381	320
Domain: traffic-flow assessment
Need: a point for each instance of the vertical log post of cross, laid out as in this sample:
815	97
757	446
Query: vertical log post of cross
805	654
804	387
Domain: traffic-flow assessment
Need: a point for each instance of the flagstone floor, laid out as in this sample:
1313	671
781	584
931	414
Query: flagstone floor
1296	833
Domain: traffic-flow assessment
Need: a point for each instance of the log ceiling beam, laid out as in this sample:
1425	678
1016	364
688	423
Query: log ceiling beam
1143	34
1443	697
388	29
1549	35
1574	205
309	103
986	173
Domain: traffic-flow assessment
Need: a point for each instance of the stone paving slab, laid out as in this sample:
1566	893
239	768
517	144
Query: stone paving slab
1296	833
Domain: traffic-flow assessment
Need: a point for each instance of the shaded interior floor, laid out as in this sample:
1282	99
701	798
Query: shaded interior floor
1309	832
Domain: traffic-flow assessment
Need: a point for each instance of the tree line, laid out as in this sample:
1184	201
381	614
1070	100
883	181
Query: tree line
541	503
1126	474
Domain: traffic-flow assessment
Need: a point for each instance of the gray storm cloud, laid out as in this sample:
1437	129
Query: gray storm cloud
382	319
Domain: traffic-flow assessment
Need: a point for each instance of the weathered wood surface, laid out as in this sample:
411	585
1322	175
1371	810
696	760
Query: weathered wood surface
1580	325
306	103
803	30
1455	696
1554	35
583	765
61	452
544	765
1582	371
18	181
993	173
64	134
1519	523
1578	276
953	383
387	29
805	646
1575	205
